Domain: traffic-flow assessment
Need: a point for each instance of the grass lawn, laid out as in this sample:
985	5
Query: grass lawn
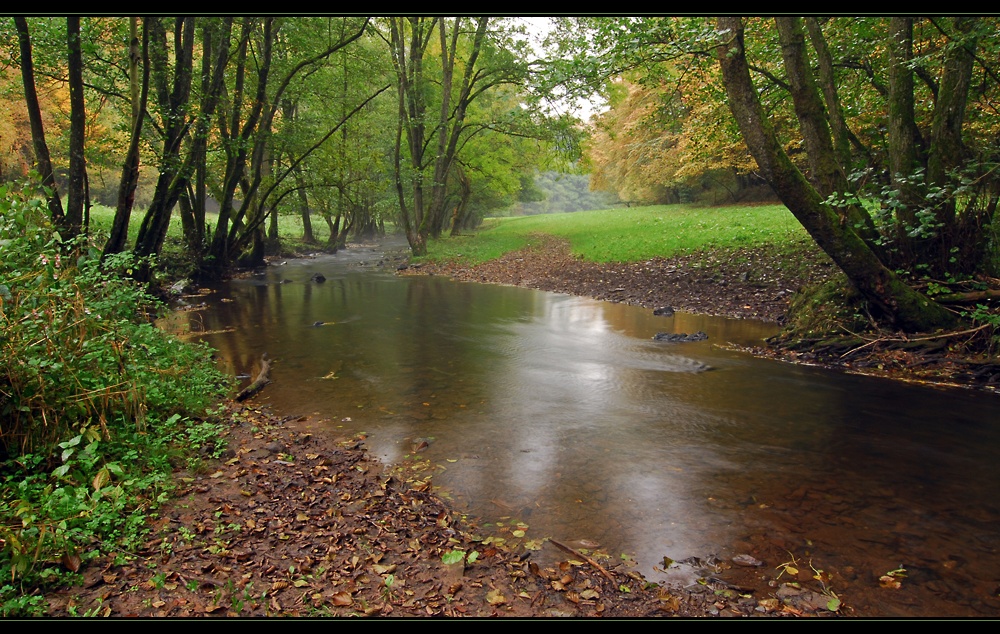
631	234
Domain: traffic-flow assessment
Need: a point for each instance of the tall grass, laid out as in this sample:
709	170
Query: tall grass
631	234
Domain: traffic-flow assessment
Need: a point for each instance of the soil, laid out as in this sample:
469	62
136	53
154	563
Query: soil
290	521
752	283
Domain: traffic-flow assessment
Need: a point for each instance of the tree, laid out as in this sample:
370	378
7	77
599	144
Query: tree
43	160
249	148
470	62
172	76
830	229
879	134
138	58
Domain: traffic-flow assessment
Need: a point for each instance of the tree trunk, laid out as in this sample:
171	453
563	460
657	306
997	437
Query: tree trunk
827	172
139	92
879	285
76	186
300	186
173	97
905	142
42	158
947	151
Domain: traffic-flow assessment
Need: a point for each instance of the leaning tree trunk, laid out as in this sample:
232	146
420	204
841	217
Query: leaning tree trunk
42	158
879	285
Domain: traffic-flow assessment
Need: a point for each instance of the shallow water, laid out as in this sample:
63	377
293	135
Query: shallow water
562	414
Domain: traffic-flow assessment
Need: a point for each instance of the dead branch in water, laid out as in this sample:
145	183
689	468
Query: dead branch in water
263	378
590	561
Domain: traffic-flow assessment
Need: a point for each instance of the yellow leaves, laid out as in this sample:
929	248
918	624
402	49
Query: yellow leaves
495	597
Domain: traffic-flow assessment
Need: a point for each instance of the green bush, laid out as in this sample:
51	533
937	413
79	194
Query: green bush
94	400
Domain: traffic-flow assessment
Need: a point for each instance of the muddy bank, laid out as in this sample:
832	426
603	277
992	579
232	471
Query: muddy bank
749	283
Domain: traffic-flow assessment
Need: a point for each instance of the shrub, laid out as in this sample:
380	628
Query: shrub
93	398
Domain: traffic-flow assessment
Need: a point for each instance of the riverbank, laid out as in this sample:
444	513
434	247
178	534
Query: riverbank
748	283
293	521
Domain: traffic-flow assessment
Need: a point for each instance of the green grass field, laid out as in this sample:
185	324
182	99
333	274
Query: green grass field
631	234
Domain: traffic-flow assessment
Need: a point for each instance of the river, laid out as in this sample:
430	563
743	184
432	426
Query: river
550	416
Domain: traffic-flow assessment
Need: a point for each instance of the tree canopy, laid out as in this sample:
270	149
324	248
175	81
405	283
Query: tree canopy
230	121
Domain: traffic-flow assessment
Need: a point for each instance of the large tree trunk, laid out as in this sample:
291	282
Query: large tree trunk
878	284
947	150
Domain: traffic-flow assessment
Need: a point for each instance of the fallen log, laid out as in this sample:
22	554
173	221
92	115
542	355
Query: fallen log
263	378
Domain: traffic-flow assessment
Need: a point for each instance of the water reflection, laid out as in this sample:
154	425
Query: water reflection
563	413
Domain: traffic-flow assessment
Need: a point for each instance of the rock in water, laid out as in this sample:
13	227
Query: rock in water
680	337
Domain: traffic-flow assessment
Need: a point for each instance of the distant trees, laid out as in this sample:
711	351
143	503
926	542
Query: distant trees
444	67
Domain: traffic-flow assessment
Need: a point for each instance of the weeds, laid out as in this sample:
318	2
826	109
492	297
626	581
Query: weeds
95	403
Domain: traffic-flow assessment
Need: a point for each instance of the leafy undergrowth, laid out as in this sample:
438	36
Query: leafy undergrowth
95	406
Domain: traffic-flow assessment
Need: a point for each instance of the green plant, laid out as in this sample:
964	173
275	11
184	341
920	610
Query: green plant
95	403
459	556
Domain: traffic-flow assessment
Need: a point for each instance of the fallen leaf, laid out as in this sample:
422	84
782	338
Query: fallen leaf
495	597
71	561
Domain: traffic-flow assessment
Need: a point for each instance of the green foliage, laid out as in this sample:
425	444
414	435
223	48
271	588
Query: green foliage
459	556
93	401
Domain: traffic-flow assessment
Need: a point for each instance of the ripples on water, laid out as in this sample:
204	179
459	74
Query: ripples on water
563	414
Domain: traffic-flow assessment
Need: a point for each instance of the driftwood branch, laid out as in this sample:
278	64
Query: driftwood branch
969	297
590	561
263	378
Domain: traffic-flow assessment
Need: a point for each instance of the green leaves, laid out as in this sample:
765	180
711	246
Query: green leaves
453	557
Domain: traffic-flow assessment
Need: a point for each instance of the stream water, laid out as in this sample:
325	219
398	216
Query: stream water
562	417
